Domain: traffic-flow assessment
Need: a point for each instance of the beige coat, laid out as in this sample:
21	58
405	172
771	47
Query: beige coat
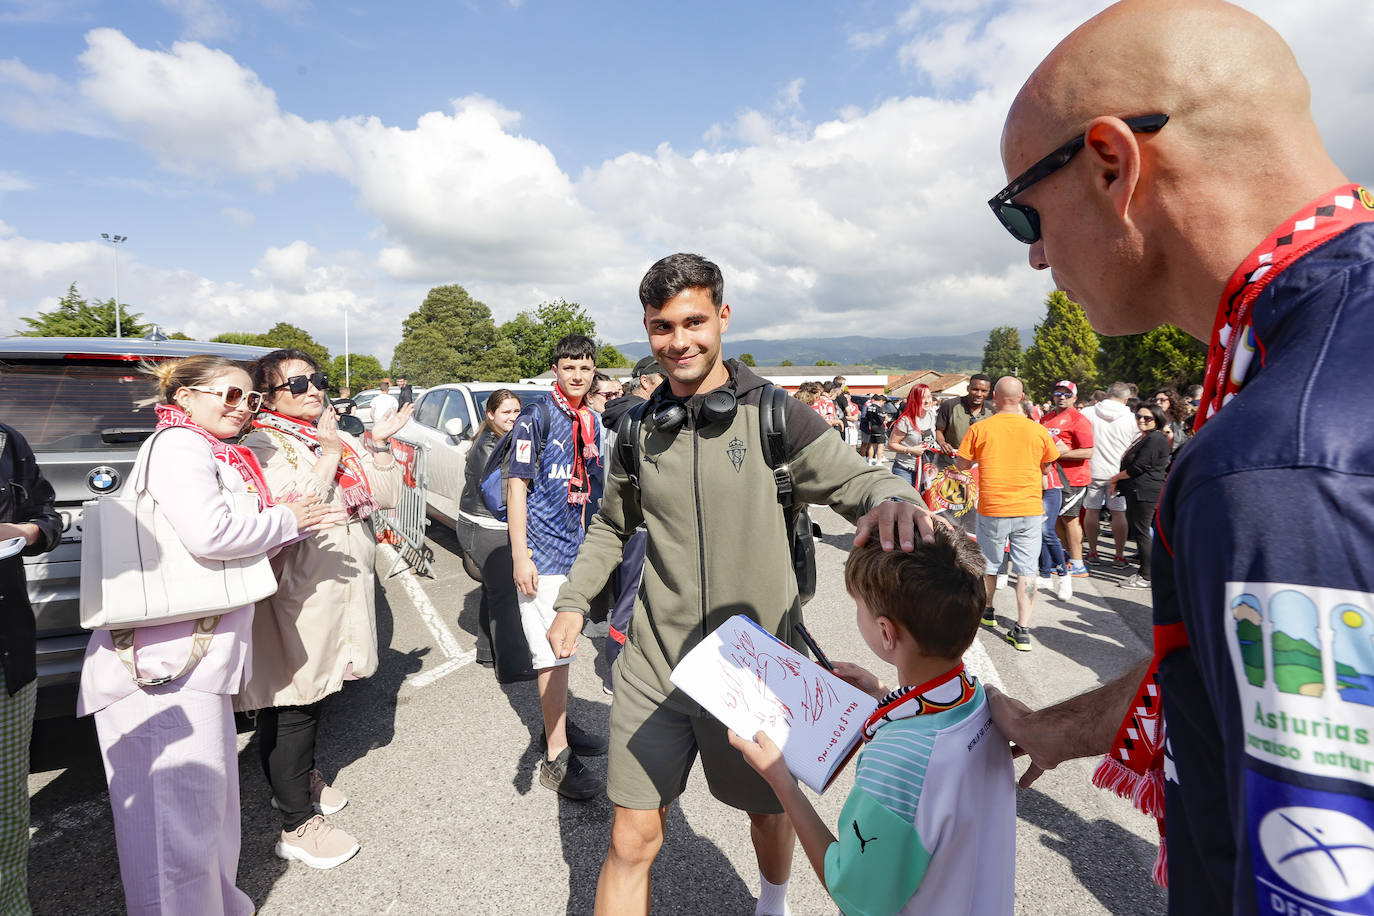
323	617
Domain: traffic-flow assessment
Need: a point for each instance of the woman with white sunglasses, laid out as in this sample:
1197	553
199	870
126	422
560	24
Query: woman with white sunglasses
169	750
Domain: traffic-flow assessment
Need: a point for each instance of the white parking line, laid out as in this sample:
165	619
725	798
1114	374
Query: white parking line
979	663
454	655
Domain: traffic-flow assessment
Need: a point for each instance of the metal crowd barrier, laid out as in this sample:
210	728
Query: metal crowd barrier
404	526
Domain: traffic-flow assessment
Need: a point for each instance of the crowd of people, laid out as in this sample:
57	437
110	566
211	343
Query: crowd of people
1189	186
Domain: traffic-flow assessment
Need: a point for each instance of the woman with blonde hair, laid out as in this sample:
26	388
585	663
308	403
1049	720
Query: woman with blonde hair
169	750
320	628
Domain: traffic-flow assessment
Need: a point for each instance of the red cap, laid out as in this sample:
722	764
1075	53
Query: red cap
1073	389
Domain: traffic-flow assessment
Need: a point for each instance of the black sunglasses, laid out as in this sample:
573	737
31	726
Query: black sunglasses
300	384
1022	221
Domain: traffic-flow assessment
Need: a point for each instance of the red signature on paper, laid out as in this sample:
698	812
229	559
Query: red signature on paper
768	686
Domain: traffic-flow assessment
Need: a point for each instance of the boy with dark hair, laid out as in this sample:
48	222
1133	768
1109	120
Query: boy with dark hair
554	475
930	826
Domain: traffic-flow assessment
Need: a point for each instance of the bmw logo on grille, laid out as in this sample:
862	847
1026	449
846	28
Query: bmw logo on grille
102	480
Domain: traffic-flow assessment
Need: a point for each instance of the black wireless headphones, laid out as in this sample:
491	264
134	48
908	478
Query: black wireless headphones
670	414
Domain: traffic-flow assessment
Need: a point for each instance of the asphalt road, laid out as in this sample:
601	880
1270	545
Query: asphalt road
440	763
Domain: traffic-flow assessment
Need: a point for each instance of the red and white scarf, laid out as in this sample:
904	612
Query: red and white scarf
350	476
234	456
1135	767
584	446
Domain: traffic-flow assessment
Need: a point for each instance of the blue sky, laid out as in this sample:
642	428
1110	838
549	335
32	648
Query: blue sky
279	159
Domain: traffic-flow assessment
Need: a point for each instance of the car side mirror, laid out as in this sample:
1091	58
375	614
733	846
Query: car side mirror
351	425
456	428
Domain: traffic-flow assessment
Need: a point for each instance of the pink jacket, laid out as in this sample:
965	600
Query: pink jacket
182	478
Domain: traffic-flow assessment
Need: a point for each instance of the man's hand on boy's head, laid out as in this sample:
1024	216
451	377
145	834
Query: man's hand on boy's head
861	678
764	756
900	518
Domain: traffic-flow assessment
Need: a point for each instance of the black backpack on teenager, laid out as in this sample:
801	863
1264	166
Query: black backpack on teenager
495	479
773	434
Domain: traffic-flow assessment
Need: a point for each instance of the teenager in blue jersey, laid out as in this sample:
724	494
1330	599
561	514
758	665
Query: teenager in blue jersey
555	475
1194	190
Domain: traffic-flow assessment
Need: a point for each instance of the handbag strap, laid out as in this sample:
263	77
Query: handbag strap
123	641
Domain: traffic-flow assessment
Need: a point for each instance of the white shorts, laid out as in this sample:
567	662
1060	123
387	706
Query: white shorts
536	616
1097	495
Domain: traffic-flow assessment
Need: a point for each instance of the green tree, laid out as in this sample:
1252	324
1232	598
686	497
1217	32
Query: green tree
1002	353
75	317
786	362
177	335
826	362
1162	358
747	359
364	371
451	337
608	357
1065	347
281	336
534	334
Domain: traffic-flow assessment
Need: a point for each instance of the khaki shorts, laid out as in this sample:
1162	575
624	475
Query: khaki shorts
653	746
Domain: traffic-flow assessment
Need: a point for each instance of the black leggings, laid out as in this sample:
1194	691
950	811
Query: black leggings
1139	516
286	746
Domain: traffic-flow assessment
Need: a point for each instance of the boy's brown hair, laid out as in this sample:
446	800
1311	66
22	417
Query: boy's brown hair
935	592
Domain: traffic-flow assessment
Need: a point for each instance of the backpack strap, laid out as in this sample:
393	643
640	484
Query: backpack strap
773	434
627	440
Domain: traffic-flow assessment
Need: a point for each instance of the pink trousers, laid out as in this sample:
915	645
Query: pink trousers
171	764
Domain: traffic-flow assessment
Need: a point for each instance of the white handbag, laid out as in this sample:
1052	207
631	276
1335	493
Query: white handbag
135	571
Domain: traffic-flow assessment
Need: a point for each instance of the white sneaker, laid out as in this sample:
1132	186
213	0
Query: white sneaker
1001	580
1043	581
317	843
1065	588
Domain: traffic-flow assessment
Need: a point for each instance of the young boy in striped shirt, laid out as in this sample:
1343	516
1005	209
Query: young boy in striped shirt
930	825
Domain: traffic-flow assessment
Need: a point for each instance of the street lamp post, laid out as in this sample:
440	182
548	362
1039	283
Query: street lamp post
115	241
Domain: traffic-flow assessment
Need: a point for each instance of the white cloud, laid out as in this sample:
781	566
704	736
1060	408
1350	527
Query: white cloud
238	216
867	41
872	221
10	181
205	19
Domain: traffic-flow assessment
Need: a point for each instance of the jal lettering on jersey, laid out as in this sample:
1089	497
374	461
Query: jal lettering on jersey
1303	658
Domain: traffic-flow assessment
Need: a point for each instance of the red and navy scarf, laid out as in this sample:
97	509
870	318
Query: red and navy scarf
1135	767
584	446
234	456
350	476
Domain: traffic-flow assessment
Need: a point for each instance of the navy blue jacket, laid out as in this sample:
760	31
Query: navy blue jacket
1266	552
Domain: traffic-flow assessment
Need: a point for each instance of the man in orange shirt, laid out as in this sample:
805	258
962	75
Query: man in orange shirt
1011	451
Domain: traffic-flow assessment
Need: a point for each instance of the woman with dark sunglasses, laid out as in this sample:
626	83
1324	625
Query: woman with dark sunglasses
1140	480
320	628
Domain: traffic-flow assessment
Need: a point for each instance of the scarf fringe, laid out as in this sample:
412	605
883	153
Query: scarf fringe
1143	790
1160	873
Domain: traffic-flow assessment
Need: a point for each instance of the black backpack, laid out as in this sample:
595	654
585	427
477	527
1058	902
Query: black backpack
773	434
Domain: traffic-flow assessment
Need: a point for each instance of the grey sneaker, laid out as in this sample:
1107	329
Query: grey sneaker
317	843
1119	562
567	775
584	743
989	618
324	798
1136	581
1019	637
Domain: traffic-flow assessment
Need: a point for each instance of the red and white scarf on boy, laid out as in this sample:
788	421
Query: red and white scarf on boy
584	446
349	476
234	456
1135	767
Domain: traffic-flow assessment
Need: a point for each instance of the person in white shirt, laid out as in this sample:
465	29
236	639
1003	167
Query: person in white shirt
385	404
1114	429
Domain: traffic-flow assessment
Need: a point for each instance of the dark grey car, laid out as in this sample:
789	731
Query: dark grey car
84	407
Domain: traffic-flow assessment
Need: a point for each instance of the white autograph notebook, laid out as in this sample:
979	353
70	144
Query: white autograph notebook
750	680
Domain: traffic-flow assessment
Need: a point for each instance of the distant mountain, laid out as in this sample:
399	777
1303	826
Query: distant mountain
947	353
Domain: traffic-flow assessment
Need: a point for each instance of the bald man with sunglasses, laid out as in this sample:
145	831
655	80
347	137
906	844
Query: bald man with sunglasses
1165	166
